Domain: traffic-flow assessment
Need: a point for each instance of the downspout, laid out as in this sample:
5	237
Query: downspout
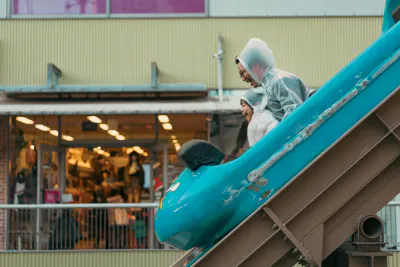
219	56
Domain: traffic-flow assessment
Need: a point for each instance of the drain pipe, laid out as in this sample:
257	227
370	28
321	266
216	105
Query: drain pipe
219	56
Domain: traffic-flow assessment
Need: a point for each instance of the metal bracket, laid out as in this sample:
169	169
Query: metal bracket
53	73
154	75
299	246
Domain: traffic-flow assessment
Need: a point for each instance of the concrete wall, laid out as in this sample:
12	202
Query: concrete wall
119	51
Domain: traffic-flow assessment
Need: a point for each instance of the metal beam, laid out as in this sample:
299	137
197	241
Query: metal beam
54	73
109	143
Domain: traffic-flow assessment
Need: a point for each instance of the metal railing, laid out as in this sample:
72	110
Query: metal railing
79	226
390	216
111	226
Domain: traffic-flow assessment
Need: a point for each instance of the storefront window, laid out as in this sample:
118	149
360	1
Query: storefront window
157	6
58	7
99	7
92	159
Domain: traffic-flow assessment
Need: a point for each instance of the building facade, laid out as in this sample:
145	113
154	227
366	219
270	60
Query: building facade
115	54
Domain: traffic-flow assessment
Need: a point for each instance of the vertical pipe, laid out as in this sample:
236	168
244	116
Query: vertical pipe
397	212
221	133
61	159
209	127
38	184
151	211
219	57
8	180
156	126
165	169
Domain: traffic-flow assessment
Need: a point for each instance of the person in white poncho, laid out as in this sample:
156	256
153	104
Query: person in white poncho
284	91
260	119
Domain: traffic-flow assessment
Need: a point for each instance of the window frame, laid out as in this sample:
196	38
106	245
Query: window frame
108	14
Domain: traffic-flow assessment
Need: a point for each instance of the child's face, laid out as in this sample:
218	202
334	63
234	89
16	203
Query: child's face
246	110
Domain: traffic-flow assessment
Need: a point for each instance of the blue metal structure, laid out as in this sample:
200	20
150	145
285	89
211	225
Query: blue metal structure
52	86
205	204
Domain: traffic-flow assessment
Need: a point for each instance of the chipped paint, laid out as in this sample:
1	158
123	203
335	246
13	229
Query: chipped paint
254	188
262	182
310	128
232	194
173	187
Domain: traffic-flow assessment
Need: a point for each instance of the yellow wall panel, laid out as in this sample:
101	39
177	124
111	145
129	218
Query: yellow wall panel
119	51
91	259
107	259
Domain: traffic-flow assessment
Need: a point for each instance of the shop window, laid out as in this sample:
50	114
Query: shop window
98	8
157	6
58	7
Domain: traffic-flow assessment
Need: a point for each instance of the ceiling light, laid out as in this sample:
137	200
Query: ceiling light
174	141
129	150
163	118
104	126
101	152
173	136
54	132
107	154
145	154
68	138
25	120
94	119
177	148
32	147
113	132
42	127
167	126
120	137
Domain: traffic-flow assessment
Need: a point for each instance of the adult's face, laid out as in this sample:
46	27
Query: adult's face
246	77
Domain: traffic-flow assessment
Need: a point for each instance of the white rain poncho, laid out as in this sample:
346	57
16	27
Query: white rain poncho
285	92
262	120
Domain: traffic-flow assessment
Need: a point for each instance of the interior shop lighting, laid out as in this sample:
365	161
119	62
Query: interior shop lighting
67	138
54	132
32	147
107	154
163	118
25	120
167	126
104	126
145	154
174	141
173	137
120	137
113	132
42	127
94	119
177	147
138	149
101	152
